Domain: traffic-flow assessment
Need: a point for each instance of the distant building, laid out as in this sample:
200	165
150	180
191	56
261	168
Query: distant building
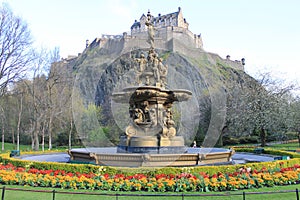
167	27
171	33
161	21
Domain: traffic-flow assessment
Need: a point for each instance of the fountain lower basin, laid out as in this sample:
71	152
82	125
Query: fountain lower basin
108	156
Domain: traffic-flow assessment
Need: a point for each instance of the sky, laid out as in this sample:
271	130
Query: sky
264	32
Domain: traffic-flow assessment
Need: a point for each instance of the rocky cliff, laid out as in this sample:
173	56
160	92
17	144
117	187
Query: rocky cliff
100	71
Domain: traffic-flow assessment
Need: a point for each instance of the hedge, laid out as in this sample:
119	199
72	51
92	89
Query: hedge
86	168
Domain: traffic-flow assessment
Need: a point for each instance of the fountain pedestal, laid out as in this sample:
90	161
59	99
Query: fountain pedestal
151	144
152	128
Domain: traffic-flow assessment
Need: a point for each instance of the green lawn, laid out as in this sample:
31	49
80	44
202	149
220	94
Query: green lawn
9	146
288	146
284	146
24	195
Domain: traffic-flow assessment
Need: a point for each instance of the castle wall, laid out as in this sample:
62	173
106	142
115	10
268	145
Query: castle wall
170	38
234	64
171	34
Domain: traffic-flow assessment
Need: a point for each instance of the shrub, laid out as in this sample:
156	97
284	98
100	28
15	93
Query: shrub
248	139
87	168
230	141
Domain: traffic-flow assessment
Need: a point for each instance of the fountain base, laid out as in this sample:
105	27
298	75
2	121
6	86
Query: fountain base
192	157
151	144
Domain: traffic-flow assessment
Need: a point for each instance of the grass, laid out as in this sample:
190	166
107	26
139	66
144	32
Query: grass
286	146
25	195
283	146
9	146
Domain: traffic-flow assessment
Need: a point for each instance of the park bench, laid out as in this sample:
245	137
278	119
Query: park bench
14	153
258	150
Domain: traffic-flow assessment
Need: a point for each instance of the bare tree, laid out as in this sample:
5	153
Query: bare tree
15	47
294	122
44	92
260	107
53	79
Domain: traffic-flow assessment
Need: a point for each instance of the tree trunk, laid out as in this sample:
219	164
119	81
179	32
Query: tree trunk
18	141
31	136
263	136
299	137
50	131
43	138
3	131
36	137
32	141
19	123
36	141
13	136
70	134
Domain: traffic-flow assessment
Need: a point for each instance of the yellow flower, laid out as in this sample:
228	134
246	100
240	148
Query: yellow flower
223	184
170	183
149	185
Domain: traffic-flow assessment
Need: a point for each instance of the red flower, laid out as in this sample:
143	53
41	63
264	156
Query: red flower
214	176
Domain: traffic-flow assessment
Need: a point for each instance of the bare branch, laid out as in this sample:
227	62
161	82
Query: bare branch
15	45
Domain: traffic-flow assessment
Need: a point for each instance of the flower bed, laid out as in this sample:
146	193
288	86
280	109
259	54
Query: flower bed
242	178
199	178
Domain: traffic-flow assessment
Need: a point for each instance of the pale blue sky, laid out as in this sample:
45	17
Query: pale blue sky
265	32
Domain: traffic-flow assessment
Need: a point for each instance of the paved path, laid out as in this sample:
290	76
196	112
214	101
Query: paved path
54	157
240	157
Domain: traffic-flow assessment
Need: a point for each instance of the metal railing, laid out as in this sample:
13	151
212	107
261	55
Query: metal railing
179	195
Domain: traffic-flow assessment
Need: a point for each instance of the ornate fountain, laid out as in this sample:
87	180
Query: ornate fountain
150	139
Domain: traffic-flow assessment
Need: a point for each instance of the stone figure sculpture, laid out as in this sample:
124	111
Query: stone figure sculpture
150	26
168	130
155	68
141	66
150	70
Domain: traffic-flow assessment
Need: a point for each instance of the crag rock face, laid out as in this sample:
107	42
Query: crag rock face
205	75
107	66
